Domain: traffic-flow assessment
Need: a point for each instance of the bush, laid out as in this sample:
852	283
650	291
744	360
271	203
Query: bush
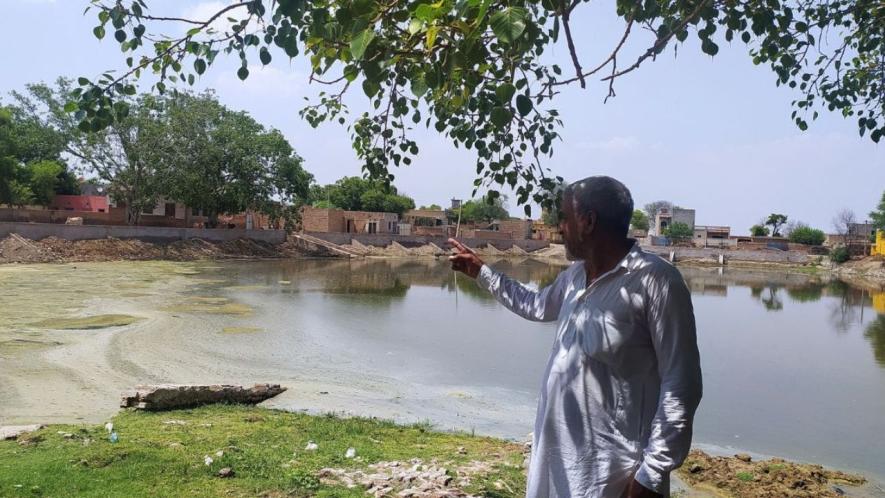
840	254
808	236
679	232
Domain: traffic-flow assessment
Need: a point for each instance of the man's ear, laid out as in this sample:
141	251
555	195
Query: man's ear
590	220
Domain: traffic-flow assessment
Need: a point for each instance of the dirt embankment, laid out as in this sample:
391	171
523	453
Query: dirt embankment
17	249
740	477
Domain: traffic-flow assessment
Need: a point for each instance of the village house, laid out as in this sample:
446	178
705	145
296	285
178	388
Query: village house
330	220
713	236
667	216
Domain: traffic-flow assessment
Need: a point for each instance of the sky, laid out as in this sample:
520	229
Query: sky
709	133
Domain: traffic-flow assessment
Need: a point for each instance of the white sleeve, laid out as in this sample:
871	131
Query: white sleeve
672	327
537	305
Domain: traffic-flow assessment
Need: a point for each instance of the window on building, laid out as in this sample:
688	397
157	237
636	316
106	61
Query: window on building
148	210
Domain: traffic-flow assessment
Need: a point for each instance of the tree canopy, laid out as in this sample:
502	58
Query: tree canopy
486	209
679	231
180	146
776	221
759	230
803	234
639	220
359	194
878	214
476	71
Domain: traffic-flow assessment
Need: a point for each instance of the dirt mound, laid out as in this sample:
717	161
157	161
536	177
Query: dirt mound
17	249
740	477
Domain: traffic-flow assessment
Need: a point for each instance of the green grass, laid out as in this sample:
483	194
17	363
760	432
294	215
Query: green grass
264	447
745	476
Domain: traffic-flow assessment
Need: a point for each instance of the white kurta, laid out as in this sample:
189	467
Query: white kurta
623	379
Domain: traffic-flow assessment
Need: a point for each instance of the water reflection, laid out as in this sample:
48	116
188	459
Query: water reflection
875	333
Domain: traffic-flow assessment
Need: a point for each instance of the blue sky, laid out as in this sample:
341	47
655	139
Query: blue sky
712	134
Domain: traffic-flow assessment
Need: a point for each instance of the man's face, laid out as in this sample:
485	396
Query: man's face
574	228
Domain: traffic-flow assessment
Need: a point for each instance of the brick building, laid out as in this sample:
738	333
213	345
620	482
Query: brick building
338	220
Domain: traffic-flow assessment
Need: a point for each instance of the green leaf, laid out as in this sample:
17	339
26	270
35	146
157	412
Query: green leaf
508	24
745	36
264	55
419	86
243	73
708	47
523	104
501	116
82	81
426	12
430	37
193	31
360	42
71	107
370	88
139	30
505	92
200	66
98	32
415	26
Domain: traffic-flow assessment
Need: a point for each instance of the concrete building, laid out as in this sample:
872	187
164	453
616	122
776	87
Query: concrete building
668	216
85	203
713	236
338	220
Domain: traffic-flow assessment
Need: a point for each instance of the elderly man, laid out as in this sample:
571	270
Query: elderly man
623	380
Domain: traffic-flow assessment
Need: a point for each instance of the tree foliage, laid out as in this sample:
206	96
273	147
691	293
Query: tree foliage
651	210
639	220
486	209
475	70
223	161
31	168
776	221
679	232
878	214
359	194
803	234
759	230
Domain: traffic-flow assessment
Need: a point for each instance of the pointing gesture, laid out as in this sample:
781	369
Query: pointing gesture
465	260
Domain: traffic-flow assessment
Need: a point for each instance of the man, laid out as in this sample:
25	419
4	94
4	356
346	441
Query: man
623	380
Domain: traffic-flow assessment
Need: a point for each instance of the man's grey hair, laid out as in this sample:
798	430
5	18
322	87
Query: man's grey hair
605	196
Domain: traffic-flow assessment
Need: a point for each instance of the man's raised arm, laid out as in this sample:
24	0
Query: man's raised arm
537	305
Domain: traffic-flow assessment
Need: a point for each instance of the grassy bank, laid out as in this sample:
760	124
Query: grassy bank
163	454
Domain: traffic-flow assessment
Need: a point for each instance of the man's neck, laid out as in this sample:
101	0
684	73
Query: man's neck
604	256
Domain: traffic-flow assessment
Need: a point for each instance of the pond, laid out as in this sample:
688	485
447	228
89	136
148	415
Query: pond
794	365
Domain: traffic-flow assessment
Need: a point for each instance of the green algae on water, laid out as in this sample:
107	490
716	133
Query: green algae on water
88	322
211	308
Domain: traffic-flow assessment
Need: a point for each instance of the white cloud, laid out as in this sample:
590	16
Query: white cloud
614	144
263	82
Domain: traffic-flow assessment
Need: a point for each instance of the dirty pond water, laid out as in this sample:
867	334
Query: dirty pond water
793	366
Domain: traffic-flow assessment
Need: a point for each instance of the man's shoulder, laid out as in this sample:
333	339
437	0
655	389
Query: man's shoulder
650	265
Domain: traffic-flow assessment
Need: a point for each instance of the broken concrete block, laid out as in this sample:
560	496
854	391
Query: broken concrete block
173	396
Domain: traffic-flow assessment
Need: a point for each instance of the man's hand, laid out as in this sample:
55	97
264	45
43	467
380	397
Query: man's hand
636	490
465	260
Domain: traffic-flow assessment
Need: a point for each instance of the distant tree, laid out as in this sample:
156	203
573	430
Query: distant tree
359	194
776	221
432	207
651	210
679	232
123	155
759	230
639	221
843	220
223	161
878	215
550	217
485	209
43	180
323	204
68	183
804	234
